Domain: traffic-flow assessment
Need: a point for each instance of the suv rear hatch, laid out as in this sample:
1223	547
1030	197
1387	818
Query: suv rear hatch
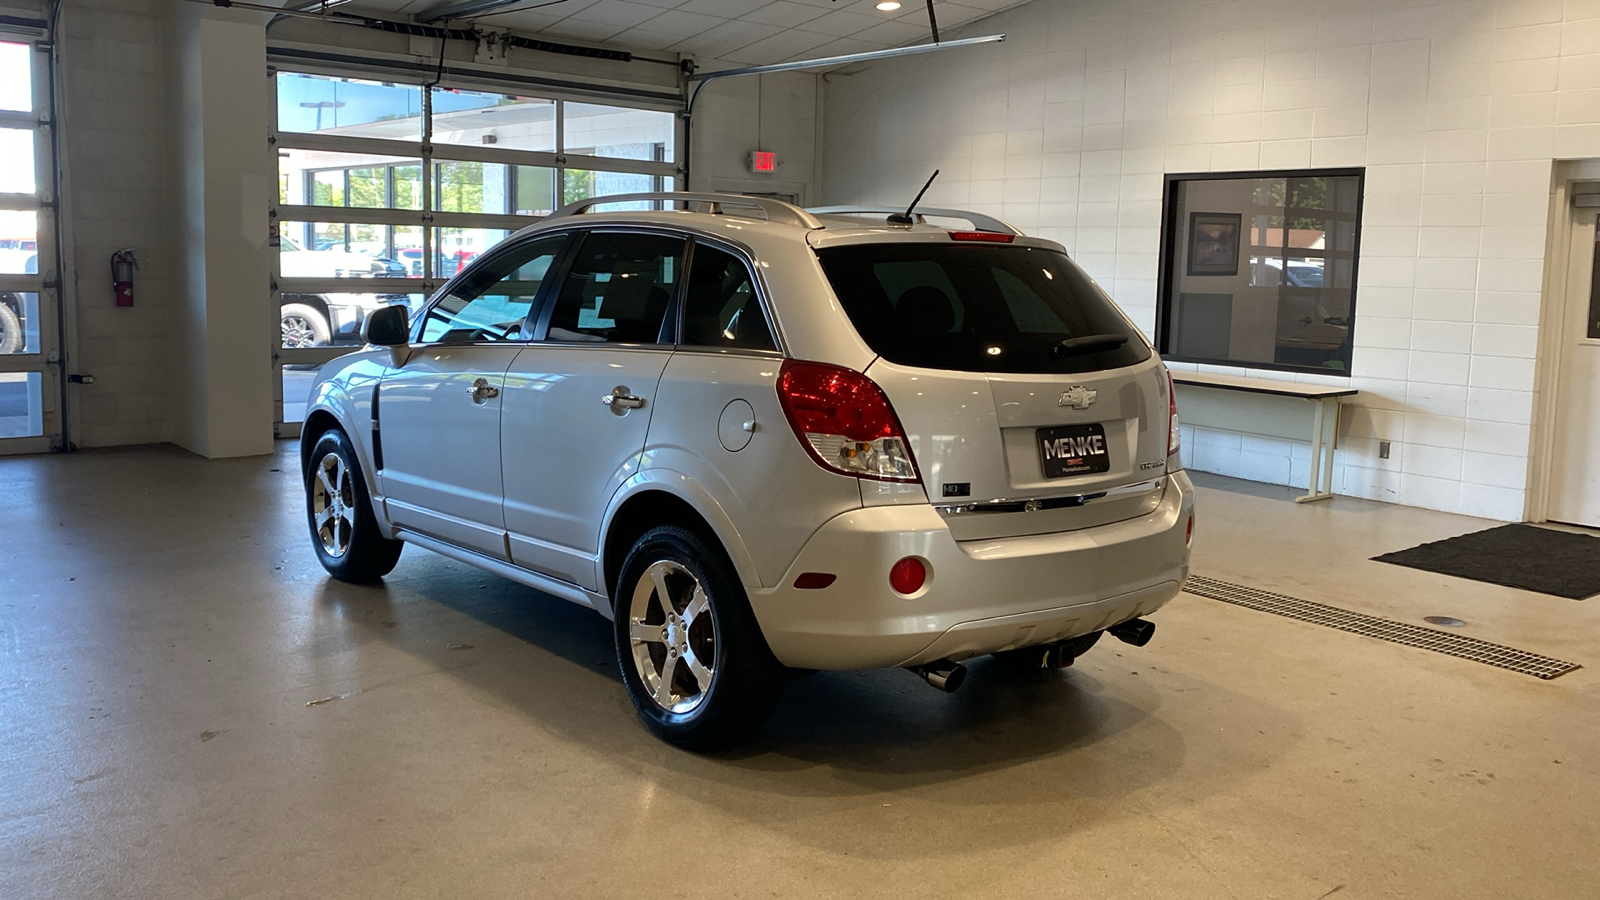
1031	403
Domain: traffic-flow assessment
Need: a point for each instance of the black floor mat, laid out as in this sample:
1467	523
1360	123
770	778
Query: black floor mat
1521	556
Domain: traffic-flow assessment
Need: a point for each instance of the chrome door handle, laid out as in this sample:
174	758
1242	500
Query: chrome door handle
621	401
482	390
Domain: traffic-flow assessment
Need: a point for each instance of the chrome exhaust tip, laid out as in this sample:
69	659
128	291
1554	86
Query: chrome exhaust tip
943	674
1137	632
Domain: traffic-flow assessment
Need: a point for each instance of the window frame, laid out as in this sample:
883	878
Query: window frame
1171	232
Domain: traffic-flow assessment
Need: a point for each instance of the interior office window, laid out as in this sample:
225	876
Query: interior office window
618	289
492	305
721	309
1259	269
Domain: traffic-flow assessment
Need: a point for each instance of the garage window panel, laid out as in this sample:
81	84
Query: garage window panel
456	248
17	168
351	107
16	77
19	242
21	404
503	121
364	180
590	129
582	184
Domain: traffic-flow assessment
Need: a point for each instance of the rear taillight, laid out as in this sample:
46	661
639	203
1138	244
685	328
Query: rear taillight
844	421
1172	422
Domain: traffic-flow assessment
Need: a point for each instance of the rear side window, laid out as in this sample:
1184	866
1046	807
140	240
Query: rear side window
722	309
618	288
980	308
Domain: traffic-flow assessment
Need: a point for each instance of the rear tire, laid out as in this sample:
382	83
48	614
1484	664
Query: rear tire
695	663
10	329
344	530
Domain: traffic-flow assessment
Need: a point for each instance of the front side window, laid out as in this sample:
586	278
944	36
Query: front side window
979	308
721	309
493	301
618	289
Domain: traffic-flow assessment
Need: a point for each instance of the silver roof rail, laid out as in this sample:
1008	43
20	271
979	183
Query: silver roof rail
978	220
776	211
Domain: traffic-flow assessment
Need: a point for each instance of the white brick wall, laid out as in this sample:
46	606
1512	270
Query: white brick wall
114	160
1456	109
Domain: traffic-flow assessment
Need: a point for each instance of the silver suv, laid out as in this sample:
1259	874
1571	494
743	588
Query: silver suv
763	439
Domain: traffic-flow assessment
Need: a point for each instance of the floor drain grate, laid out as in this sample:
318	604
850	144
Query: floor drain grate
1383	629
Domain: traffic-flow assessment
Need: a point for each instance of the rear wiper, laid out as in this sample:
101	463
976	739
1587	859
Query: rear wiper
1089	343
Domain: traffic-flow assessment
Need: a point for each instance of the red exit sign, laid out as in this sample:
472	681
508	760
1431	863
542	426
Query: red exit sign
763	161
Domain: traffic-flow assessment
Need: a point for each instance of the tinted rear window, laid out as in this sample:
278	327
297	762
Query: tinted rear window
977	308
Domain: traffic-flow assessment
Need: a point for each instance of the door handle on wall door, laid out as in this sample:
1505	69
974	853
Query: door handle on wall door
482	390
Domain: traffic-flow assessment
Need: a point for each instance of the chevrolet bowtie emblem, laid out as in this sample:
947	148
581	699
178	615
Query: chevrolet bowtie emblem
1077	397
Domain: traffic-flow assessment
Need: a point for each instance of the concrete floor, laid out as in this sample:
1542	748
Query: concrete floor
164	628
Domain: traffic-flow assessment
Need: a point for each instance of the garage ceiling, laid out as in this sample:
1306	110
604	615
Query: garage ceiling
740	31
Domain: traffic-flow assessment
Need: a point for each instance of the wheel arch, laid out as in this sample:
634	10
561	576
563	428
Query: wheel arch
316	301
666	498
326	413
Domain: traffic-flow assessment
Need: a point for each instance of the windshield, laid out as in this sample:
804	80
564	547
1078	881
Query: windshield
980	308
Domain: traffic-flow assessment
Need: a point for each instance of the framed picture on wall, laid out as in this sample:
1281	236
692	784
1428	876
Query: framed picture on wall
1214	243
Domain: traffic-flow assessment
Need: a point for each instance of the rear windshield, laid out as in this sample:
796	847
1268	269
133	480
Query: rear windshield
979	308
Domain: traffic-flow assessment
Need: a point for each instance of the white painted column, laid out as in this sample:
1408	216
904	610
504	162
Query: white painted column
221	175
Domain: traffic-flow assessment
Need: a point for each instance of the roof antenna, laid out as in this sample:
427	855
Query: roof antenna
905	217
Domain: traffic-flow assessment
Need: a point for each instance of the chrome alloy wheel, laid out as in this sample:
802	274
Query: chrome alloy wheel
298	333
333	505
673	636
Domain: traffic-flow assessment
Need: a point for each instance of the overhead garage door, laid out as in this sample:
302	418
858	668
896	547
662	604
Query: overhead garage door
30	393
386	189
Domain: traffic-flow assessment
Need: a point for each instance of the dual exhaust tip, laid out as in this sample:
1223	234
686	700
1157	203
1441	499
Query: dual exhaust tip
948	676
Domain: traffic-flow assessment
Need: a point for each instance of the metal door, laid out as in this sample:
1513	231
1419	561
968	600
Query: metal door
1575	453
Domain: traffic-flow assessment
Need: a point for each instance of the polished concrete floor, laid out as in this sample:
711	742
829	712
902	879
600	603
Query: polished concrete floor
190	708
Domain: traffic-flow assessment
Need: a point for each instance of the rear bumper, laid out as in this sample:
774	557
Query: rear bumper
980	597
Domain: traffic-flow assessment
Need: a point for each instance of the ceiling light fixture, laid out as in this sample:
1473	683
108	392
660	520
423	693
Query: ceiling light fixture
889	5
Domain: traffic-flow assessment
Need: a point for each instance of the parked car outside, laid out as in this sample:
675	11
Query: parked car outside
782	441
323	319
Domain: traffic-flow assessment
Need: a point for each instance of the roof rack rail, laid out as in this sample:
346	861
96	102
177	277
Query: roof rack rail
978	220
776	211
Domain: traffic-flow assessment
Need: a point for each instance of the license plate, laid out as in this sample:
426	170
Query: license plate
1073	450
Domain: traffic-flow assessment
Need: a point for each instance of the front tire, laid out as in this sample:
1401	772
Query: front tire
695	663
344	530
304	326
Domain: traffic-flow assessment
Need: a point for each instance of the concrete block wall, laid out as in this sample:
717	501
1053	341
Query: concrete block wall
113	157
756	112
1456	109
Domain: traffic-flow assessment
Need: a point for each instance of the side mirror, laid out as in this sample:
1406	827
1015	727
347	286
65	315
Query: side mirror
387	326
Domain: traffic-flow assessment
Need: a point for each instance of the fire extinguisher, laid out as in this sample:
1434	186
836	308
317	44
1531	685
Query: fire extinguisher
122	265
